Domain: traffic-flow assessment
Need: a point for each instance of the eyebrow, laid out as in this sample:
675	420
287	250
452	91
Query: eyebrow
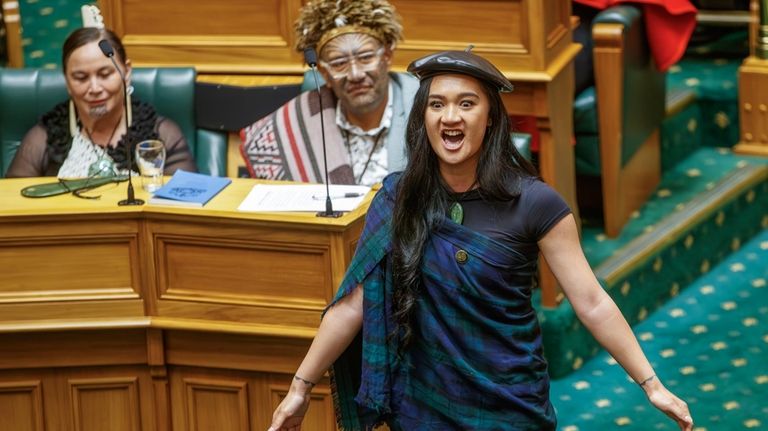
460	95
356	50
99	70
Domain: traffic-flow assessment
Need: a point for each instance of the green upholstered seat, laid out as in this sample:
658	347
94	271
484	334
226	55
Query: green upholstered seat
617	122
26	94
643	98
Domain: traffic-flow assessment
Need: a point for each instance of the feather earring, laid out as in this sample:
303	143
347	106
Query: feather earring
129	114
72	118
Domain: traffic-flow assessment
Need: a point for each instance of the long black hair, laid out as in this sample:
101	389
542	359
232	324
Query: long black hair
422	199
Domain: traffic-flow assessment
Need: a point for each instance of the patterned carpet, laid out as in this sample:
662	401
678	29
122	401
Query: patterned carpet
45	24
696	174
709	345
703	211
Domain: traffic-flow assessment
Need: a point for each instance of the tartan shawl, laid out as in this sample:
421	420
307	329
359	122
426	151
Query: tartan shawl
476	360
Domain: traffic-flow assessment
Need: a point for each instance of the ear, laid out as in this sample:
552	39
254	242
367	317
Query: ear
386	57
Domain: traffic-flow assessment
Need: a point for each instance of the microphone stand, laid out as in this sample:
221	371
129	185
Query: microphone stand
310	56
131	200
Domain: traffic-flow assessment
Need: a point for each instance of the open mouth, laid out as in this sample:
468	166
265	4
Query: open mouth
452	139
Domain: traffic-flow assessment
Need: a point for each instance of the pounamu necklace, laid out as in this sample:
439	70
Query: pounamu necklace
457	213
456	210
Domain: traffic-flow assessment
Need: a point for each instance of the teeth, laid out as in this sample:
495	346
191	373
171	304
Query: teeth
452	132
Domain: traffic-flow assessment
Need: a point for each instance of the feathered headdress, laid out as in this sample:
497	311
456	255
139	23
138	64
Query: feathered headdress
322	20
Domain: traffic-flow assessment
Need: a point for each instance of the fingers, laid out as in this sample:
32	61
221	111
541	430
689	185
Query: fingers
673	407
284	426
277	420
684	419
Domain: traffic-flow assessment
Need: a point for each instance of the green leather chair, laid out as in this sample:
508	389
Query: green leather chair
26	94
616	122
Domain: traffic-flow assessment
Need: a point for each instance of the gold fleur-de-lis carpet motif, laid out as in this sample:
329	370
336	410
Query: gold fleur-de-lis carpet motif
709	345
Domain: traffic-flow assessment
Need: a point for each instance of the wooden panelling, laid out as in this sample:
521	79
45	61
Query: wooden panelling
60	349
77	398
251	272
105	403
80	314
495	24
204	18
239	400
216	404
235	35
233	351
21	406
78	266
206	399
210	288
12	22
277	321
753	107
67	260
320	416
257	37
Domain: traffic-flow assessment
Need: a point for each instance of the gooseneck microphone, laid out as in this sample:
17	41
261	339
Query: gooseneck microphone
310	56
107	49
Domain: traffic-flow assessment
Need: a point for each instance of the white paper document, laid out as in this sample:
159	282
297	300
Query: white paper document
302	197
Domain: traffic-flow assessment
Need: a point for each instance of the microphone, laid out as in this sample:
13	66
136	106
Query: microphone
108	51
310	56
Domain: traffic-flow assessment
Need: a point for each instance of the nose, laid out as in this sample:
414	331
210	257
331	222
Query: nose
355	72
451	114
94	85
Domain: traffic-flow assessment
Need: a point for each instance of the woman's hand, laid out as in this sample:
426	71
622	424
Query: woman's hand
668	403
290	413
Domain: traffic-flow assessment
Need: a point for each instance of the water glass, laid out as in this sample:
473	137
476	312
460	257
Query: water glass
150	157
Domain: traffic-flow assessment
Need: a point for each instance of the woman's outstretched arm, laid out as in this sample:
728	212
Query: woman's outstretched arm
337	330
601	316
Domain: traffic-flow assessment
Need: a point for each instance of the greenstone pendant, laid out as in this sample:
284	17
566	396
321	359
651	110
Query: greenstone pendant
457	213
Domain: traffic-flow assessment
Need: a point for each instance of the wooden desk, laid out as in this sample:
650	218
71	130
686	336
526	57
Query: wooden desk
146	317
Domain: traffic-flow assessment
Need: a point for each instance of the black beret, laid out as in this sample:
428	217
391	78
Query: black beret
463	62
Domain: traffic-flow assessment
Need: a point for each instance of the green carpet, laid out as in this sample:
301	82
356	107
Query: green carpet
715	83
703	210
45	25
709	345
696	174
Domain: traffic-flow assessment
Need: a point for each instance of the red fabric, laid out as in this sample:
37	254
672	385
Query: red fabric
526	124
668	24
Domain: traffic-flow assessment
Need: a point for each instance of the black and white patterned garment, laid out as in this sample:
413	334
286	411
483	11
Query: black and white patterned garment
83	155
360	145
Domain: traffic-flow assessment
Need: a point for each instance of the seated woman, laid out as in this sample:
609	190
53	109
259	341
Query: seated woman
89	134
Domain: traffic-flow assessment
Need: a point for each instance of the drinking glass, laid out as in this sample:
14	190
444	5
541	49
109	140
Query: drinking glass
150	157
